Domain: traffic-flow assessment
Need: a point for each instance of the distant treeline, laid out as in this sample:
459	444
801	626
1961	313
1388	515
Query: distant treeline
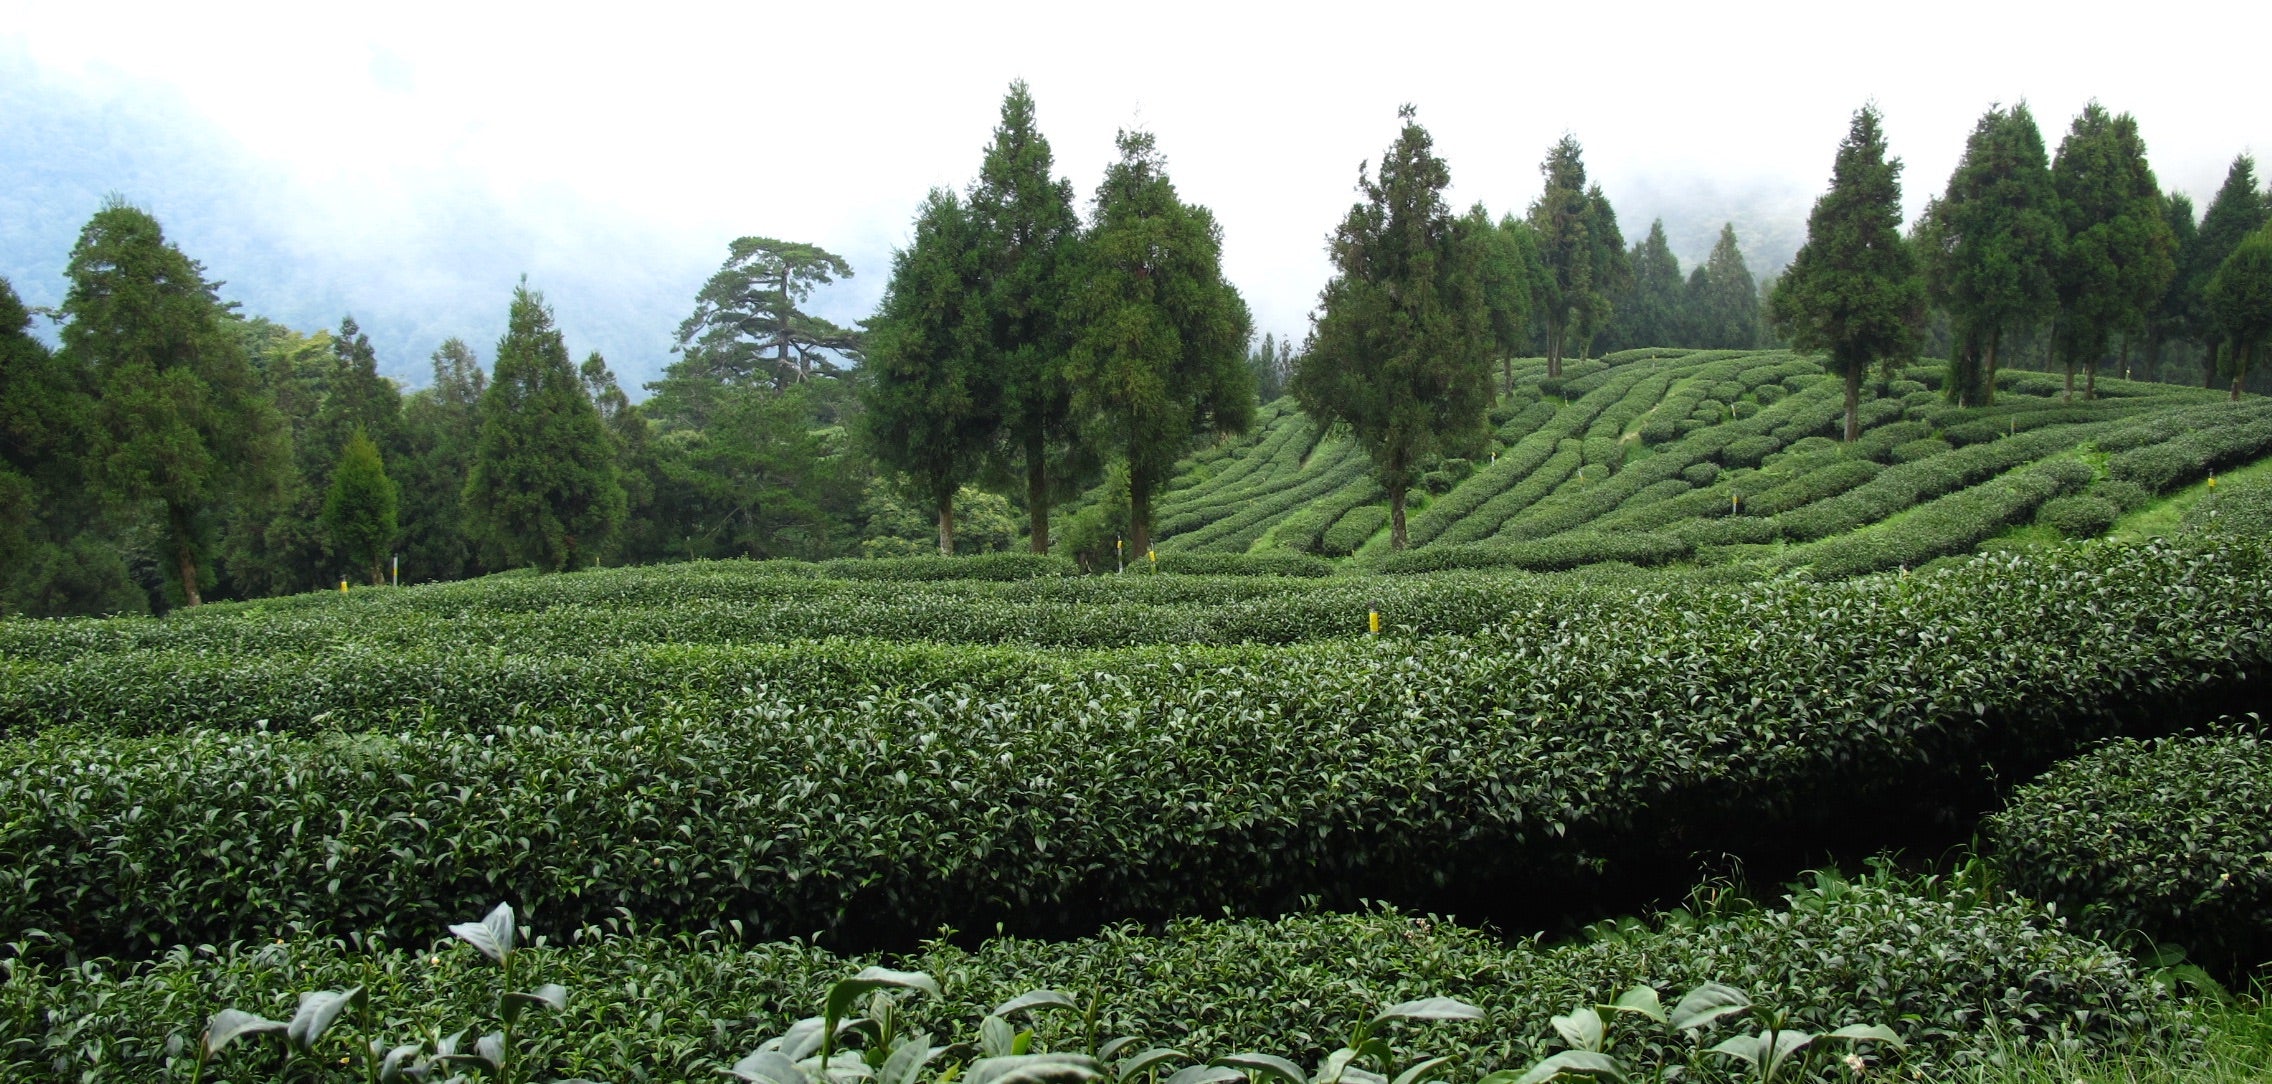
172	449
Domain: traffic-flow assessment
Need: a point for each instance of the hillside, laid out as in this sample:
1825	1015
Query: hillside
1721	459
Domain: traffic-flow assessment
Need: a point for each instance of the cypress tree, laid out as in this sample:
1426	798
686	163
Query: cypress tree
1728	313
1854	290
1580	251
1649	314
2240	300
1160	354
1026	232
2237	210
56	551
441	424
181	421
1401	354
2117	254
931	405
2173	316
359	511
1991	246
542	489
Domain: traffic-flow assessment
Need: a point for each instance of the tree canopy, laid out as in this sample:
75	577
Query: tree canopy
1991	246
747	327
2117	254
1580	250
542	489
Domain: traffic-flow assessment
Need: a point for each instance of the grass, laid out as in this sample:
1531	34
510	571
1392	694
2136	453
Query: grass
2163	517
2235	1047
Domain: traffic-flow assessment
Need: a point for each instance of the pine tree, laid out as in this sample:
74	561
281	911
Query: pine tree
181	421
1854	290
542	489
1401	354
441	424
1159	357
1027	234
2173	316
2117	255
2237	210
1991	246
359	511
932	405
1649	313
1729	314
1580	250
2240	301
1510	275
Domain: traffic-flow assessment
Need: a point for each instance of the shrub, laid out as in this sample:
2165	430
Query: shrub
1352	529
1914	450
985	566
2191	456
1700	474
1743	408
2167	837
1950	525
1267	563
1748	451
1660	429
2243	508
1769	393
2079	516
2126	496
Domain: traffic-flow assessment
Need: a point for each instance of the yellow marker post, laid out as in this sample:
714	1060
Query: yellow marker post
343	585
1373	619
1152	556
2212	481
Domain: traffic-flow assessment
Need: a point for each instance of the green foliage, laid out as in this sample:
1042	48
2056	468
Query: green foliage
1401	354
2240	298
2164	838
1724	310
747	328
1159	358
665	761
932	410
985	566
1991	245
1950	525
1271	563
1933	959
2080	516
2241	508
2118	253
441	427
1854	290
984	523
1581	253
359	512
542	488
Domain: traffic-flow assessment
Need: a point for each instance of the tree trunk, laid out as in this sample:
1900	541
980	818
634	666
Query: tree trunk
1506	375
1988	387
185	555
2070	381
1037	495
1139	512
2240	370
1853	404
2209	363
947	526
1553	350
2090	378
1396	518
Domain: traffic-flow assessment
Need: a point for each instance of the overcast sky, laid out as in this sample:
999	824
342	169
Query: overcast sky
408	164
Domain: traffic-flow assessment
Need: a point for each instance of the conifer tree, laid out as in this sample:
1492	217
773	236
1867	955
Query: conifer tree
1728	318
1401	354
541	490
181	420
359	511
931	403
1580	251
1027	235
1510	276
1160	354
1991	245
56	550
1649	313
2240	300
1854	290
2117	254
441	424
2174	316
2238	209
644	536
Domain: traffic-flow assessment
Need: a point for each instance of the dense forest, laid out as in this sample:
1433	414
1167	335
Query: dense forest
1031	349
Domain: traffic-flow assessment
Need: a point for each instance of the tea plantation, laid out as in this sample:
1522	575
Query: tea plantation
1201	805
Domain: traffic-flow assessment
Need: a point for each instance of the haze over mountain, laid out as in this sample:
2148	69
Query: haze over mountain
410	170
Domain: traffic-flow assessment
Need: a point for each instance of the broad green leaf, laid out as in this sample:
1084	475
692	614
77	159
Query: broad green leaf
1708	1003
1567	1063
1035	999
802	1039
1270	1066
318	1011
551	996
493	935
1035	1069
996	1037
1417	1071
844	993
1115	1045
1429	1008
1750	1048
768	1067
1581	1029
1205	1074
391	1067
906	1060
1866	1033
1144	1061
1643	1001
230	1024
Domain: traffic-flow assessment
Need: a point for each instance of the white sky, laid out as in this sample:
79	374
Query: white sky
612	151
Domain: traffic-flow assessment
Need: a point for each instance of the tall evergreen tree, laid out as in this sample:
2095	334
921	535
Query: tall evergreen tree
441	425
359	511
2238	209
2173	316
1027	233
1580	251
2240	301
1510	275
1991	246
932	405
1401	354
181	421
645	535
1159	358
542	489
1649	312
2117	255
1269	365
1854	290
748	329
1728	316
